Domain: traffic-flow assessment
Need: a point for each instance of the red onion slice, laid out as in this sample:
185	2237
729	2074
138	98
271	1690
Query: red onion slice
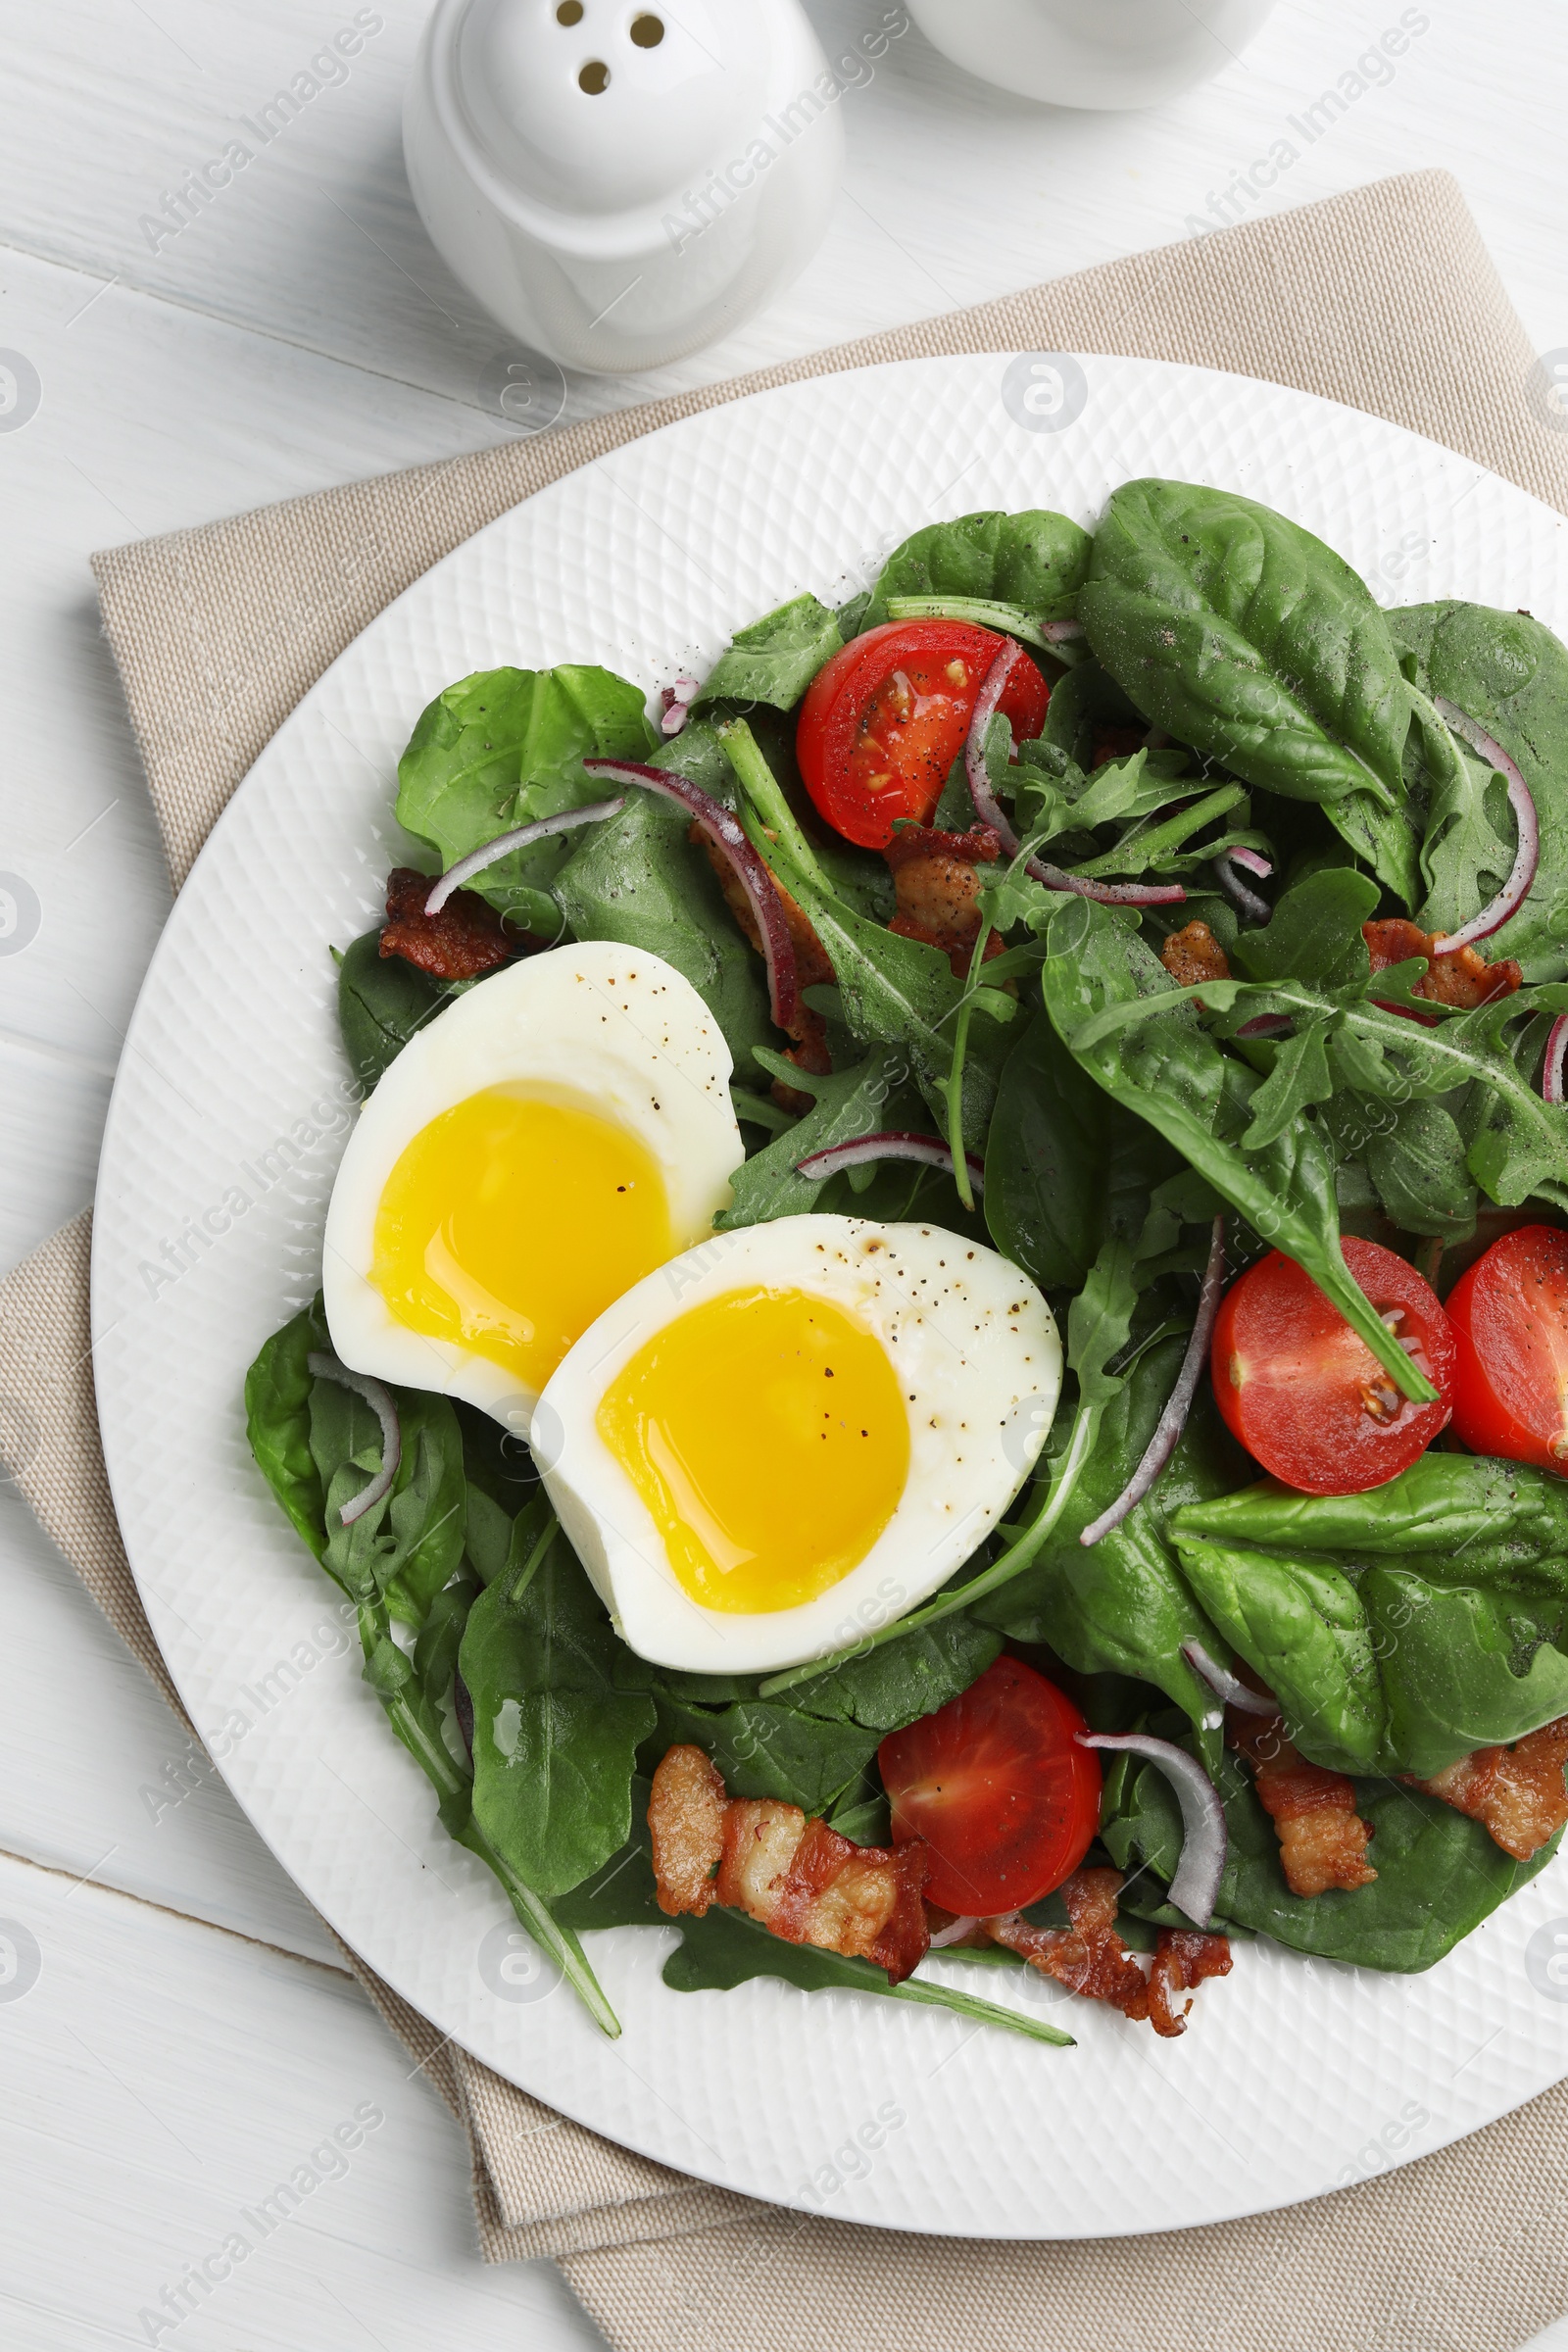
1194	1889
1224	1683
727	835
1061	632
895	1144
457	876
1173	1420
1245	901
1253	861
955	1931
675	705
989	807
1527	856
378	1398
1551	1067
1265	1024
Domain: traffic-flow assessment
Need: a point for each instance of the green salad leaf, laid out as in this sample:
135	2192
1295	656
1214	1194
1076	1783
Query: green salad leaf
1439	1874
503	746
381	1001
777	659
1248	638
1036	561
555	1734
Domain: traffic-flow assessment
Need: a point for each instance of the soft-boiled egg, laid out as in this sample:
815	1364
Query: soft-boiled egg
791	1434
559	1132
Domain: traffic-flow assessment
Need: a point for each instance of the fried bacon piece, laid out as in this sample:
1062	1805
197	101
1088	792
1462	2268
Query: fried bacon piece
1193	953
1323	1840
811	969
1464	979
937	882
796	1876
1516	1792
1088	1957
1183	1959
464	941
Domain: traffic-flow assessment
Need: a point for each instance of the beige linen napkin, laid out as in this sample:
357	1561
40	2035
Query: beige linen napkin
1384	298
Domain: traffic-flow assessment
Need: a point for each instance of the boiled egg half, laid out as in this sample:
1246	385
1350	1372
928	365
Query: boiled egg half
791	1435
559	1132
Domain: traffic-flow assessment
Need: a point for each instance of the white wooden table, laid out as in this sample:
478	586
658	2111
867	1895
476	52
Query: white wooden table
170	2065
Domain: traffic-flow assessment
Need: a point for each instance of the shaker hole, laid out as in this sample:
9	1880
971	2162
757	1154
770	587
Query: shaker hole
647	31
595	76
569	12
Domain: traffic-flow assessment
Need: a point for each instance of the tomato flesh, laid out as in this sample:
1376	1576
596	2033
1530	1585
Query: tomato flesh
1306	1395
998	1786
884	719
1509	1314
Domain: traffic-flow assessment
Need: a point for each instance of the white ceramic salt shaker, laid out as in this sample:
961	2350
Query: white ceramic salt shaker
619	185
1091	53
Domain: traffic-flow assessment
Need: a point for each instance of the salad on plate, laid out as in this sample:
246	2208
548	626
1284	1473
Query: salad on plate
945	1329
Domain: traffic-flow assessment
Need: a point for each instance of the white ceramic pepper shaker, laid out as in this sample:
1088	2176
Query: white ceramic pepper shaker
1091	53
617	185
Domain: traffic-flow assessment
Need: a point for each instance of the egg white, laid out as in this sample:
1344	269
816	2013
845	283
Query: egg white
973	1343
620	1029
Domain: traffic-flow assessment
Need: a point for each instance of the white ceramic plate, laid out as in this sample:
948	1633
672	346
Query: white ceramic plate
226	1127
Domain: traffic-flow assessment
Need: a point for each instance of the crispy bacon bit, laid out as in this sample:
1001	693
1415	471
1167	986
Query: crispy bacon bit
464	941
1193	953
936	881
1464	979
812	969
1323	1840
1183	1959
1517	1792
686	1816
797	1878
1088	1957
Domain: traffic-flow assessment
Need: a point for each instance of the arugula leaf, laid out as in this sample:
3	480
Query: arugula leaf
777	659
726	1948
1035	560
503	746
1170	1071
637	878
1438	1874
1509	674
381	1001
555	1735
846	1103
1246	637
1465	859
1418	1164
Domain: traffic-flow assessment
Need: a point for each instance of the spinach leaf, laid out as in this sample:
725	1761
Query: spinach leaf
1035	560
503	746
1121	1606
777	659
636	878
1400	1629
845	1104
554	1735
1171	1072
1248	638
814	1747
726	1948
1510	675
277	1422
1438	1874
381	1001
409	1544
1046	1149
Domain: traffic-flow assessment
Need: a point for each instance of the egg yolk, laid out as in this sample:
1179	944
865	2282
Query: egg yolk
768	1435
513	1219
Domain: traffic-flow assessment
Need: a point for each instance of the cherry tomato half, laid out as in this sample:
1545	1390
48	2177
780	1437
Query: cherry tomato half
1509	1314
1306	1395
997	1784
884	720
